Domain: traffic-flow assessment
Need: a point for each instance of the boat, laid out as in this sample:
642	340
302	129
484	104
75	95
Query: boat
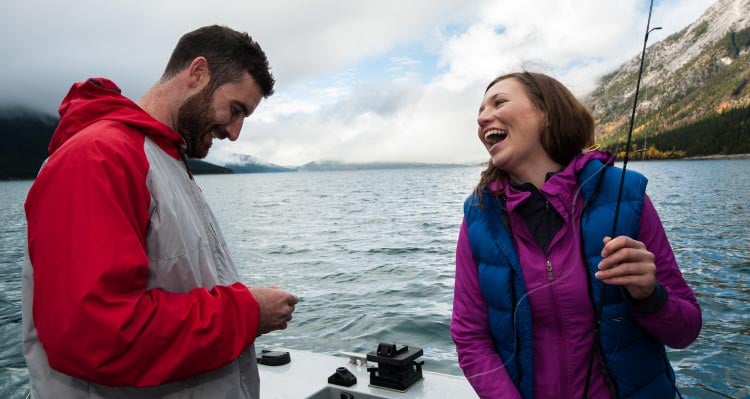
390	372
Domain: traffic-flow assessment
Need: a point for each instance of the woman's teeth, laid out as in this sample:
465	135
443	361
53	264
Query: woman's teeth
495	135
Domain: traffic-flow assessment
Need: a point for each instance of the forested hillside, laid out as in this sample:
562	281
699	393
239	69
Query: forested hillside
694	98
25	136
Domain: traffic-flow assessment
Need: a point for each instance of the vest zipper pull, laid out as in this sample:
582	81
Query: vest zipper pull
550	276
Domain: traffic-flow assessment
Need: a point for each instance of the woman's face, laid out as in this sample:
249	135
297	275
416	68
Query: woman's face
510	128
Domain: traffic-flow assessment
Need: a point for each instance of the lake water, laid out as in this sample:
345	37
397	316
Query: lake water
371	256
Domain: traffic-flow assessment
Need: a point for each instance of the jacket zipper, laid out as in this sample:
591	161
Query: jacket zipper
558	320
550	275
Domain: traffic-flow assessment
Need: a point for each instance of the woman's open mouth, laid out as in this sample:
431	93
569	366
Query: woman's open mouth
495	136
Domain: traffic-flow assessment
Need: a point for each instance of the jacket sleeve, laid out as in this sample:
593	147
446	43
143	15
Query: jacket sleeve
88	216
677	322
470	329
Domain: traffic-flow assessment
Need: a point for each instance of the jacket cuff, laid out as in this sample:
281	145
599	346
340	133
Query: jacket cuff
651	304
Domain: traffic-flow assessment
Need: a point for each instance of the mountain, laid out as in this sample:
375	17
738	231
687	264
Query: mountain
320	166
694	97
249	164
26	134
198	167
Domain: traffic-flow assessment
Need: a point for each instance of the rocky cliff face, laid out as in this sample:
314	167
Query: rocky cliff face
693	74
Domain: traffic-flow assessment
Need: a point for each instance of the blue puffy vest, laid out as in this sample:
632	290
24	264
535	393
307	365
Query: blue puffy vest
636	363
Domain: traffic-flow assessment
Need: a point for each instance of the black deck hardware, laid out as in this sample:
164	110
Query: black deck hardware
273	358
342	377
397	368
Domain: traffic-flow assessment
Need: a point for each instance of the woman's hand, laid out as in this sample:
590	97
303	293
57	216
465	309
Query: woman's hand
628	263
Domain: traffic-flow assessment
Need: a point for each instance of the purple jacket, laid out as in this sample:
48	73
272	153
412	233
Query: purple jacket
562	312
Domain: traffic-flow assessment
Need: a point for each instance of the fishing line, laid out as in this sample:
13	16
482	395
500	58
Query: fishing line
600	305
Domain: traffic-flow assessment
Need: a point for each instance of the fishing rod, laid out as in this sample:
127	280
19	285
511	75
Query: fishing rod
600	305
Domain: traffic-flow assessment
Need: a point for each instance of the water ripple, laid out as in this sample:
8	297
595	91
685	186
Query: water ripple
370	255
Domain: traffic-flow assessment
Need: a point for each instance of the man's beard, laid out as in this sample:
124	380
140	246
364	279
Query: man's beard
195	120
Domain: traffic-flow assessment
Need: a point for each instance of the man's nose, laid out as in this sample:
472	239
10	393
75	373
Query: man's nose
234	128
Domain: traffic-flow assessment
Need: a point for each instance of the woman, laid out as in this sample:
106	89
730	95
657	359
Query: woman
533	253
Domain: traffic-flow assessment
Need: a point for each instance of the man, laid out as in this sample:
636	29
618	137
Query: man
128	287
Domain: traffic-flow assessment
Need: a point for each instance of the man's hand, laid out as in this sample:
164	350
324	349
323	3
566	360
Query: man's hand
628	263
276	308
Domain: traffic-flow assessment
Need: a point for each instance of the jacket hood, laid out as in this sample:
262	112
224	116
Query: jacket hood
570	171
99	99
562	187
580	160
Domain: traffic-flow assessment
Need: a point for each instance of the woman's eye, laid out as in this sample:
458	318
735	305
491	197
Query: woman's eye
498	102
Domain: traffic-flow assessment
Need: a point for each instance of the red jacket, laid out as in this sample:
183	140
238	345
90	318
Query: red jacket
128	281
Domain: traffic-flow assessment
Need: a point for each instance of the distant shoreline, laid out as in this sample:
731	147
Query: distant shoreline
388	166
719	156
695	158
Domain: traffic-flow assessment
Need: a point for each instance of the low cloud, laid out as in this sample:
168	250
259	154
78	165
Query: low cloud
329	105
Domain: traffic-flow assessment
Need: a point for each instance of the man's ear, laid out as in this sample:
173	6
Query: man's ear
198	73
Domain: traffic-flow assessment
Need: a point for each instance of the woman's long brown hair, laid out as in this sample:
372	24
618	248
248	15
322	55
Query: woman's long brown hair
568	124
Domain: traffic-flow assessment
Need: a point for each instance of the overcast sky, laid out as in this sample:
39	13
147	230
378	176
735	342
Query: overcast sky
386	80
